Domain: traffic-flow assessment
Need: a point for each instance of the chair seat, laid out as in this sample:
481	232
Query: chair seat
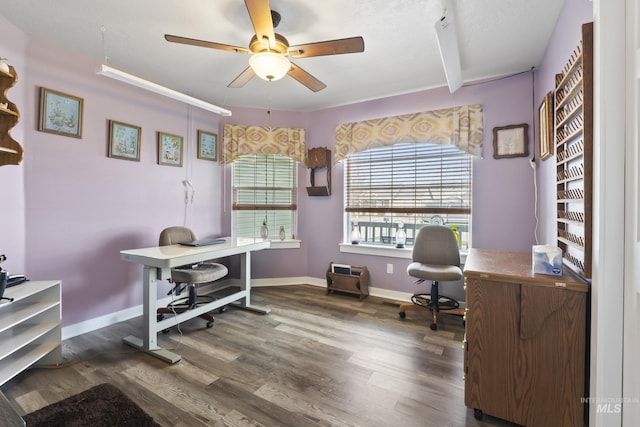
434	272
201	273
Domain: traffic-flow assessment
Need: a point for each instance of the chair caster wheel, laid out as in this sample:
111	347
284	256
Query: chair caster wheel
477	414
209	325
222	309
433	326
402	314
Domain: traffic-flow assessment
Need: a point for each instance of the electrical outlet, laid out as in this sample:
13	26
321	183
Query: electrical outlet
390	268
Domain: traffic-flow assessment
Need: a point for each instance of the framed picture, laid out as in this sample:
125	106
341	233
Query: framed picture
169	149
207	145
545	122
60	113
124	141
511	141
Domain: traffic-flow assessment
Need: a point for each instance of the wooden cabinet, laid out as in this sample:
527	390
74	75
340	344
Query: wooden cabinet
10	150
355	283
30	327
574	155
525	341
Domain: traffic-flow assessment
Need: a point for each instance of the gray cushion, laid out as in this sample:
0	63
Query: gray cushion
201	273
434	271
435	255
175	235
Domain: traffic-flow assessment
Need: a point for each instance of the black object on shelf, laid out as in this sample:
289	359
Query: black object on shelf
3	285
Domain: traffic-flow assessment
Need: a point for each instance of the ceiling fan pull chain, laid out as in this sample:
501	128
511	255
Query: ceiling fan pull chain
269	105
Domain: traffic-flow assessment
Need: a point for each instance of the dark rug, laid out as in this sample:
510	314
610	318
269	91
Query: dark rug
102	405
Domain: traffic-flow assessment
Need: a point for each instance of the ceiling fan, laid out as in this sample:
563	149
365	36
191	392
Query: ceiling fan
271	51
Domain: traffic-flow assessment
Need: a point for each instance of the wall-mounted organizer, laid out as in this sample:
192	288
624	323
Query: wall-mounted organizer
574	155
317	158
10	150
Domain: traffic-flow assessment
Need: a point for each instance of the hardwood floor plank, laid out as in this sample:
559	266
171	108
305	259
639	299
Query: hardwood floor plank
315	360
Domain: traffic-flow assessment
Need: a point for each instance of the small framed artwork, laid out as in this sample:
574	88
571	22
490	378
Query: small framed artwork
169	149
60	113
545	121
124	141
207	145
511	141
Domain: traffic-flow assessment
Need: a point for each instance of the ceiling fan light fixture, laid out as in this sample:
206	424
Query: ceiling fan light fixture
269	65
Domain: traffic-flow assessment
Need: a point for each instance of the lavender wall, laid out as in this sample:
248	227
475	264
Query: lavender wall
12	186
81	207
565	39
503	189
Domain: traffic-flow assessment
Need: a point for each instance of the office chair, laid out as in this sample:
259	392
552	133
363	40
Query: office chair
436	258
188	275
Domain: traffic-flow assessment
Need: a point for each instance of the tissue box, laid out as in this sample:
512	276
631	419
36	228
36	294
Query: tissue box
547	260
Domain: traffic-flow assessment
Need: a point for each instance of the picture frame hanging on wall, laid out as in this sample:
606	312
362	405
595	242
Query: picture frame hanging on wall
207	145
60	113
124	141
511	141
170	149
545	123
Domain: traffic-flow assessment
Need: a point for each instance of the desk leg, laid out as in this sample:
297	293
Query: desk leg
245	280
149	342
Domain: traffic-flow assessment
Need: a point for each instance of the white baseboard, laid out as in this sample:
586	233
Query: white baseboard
100	322
129	313
306	280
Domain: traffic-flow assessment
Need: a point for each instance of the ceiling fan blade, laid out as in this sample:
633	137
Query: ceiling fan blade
260	14
203	43
329	47
305	78
243	78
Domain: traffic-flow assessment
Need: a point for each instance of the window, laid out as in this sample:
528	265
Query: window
264	189
410	183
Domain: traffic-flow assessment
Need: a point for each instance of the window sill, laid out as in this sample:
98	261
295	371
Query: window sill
285	244
385	251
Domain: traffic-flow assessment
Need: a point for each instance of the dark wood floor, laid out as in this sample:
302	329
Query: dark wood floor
315	360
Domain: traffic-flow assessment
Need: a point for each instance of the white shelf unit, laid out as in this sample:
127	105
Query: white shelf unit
30	327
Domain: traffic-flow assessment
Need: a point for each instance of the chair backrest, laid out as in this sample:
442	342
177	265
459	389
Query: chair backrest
175	235
436	244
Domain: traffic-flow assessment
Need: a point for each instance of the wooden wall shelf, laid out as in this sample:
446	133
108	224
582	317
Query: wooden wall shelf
574	156
318	158
11	152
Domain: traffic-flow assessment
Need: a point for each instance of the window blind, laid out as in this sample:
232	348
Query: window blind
412	183
264	189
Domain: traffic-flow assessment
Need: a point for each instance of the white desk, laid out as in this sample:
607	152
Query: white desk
157	263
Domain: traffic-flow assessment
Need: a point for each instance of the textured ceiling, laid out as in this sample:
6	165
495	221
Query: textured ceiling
496	38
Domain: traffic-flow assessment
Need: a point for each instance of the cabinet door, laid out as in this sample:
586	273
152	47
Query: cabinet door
525	352
493	360
552	348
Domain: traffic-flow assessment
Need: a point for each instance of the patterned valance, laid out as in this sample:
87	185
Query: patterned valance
240	140
460	126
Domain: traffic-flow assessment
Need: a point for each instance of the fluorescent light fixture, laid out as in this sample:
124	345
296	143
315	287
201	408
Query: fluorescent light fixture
448	45
270	65
105	70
